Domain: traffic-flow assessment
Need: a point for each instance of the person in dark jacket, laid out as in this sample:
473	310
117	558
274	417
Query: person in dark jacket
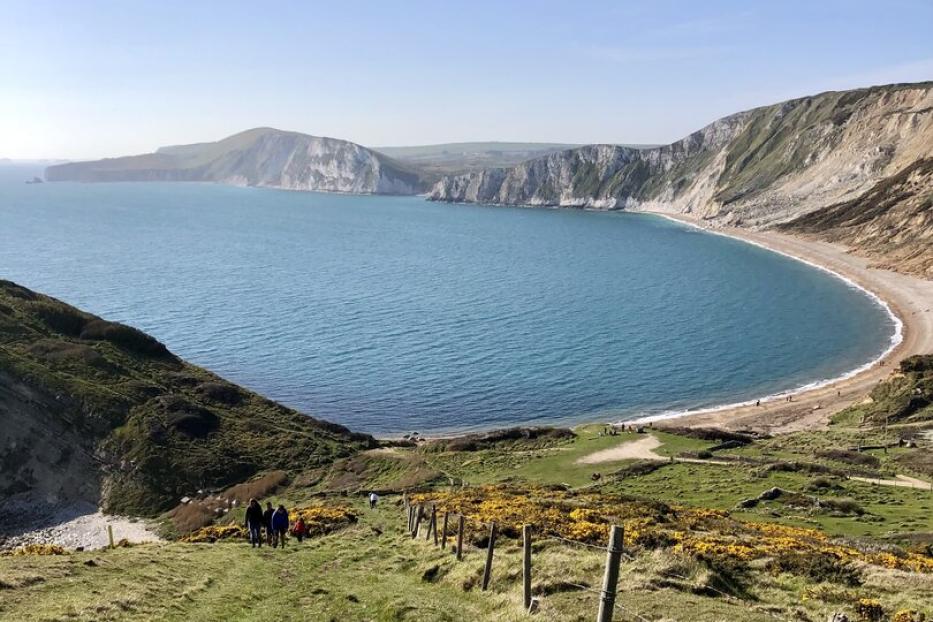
267	522
254	523
279	526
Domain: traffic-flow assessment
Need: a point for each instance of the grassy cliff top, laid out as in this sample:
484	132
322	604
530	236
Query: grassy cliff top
155	427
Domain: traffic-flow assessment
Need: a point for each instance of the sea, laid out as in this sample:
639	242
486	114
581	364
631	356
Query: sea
393	315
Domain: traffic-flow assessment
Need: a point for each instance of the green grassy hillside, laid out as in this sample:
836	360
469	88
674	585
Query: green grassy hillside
145	426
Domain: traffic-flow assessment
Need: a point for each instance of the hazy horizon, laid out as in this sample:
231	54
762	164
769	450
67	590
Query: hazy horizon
103	79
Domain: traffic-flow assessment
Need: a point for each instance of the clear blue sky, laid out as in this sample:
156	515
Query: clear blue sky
85	79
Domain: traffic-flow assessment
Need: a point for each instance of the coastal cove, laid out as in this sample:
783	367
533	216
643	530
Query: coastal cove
907	298
456	317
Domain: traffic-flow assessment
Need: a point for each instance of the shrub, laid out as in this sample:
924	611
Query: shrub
186	417
125	337
17	291
844	506
216	532
869	610
61	319
35	549
486	440
220	392
816	566
822	483
711	434
55	350
918	363
641	467
850	457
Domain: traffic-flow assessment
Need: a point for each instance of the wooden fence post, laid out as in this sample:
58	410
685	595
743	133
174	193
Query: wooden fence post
607	600
487	571
460	539
110	535
418	517
411	518
526	566
444	532
434	523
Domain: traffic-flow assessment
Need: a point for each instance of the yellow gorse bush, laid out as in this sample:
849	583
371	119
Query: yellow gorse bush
323	519
213	533
319	520
701	532
35	549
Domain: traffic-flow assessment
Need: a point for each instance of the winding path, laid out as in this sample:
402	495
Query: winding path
644	449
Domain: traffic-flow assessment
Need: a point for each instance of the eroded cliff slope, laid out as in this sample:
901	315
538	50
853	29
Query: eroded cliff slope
892	223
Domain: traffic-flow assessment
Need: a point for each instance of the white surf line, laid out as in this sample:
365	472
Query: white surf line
895	340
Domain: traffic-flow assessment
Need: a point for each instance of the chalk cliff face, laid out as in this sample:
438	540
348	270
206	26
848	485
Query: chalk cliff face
261	157
755	168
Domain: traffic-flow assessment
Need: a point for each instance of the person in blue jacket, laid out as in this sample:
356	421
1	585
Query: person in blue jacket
279	526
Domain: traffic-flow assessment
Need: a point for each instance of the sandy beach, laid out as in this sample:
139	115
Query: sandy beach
910	299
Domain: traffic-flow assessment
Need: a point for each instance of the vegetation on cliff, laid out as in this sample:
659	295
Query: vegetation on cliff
892	223
151	428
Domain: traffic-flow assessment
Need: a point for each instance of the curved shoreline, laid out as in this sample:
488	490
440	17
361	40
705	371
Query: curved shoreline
906	299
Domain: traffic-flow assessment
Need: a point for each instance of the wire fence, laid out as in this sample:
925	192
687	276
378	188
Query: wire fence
425	522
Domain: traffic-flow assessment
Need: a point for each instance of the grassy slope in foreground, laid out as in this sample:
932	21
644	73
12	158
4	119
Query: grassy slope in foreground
372	570
719	569
111	408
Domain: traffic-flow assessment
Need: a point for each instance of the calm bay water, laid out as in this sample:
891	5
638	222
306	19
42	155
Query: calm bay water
393	314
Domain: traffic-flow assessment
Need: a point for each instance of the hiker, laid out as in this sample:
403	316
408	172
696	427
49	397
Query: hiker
300	530
267	522
254	523
279	526
373	498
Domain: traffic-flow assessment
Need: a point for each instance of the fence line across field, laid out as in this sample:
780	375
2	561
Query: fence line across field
419	515
614	554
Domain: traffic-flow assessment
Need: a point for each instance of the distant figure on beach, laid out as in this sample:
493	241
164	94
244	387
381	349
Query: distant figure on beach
300	530
254	523
757	402
279	526
267	522
373	499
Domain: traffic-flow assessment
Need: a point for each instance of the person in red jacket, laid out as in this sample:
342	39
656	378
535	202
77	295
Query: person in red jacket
300	530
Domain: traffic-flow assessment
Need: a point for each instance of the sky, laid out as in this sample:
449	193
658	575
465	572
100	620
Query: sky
93	78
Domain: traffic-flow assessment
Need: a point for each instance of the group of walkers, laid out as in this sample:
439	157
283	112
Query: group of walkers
272	525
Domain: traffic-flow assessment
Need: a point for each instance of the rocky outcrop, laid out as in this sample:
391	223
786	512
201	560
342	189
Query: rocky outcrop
262	157
40	451
756	168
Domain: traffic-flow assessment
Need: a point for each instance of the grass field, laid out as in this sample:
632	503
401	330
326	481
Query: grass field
373	570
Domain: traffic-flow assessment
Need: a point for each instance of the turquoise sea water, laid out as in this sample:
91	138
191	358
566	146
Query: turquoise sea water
393	314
